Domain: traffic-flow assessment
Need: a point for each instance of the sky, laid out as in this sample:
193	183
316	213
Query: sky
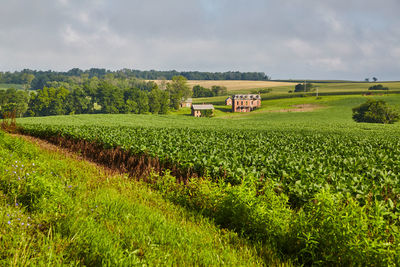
286	39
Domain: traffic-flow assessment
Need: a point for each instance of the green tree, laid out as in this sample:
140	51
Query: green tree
200	91
178	90
143	102
219	90
378	87
91	86
27	80
154	101
375	111
12	100
136	101
77	102
300	87
164	102
207	113
48	101
110	97
130	99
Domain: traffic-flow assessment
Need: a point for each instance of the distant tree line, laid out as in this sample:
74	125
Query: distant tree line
94	95
215	90
34	79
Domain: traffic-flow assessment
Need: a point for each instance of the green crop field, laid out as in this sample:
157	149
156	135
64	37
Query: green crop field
297	175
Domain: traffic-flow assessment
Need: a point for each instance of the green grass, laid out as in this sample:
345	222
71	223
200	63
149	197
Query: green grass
323	88
55	210
334	115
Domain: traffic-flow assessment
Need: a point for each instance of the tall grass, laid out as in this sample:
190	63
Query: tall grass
58	211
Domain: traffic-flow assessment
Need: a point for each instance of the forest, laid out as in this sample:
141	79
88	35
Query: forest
84	95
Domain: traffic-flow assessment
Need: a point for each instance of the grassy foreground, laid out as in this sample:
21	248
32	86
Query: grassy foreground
55	210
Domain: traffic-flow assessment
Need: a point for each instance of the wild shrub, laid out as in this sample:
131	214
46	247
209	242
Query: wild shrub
256	212
9	122
207	113
375	111
335	230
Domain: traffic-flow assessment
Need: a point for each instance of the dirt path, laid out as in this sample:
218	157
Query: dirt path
299	108
296	108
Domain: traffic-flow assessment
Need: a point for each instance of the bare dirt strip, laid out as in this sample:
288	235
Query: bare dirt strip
299	108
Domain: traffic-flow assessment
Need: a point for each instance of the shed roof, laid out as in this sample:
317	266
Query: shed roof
203	106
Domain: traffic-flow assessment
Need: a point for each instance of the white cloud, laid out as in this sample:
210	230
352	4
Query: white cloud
287	39
329	64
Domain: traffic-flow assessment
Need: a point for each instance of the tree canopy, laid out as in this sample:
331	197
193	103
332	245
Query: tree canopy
300	87
378	87
375	111
83	95
178	90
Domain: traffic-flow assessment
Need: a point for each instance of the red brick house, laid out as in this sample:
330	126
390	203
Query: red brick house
245	103
197	109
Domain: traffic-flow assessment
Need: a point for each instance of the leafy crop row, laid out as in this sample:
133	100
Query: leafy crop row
299	162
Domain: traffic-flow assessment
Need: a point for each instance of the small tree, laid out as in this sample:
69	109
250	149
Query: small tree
378	87
178	89
219	90
300	87
375	111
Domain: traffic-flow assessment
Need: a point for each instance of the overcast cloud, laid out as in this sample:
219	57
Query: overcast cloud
320	39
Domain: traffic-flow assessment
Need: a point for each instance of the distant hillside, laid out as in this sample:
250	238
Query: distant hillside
38	79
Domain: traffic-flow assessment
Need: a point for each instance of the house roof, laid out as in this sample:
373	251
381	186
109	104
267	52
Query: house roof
203	107
247	97
187	100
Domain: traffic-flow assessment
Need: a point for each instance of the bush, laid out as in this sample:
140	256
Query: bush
378	87
207	113
375	111
335	230
300	87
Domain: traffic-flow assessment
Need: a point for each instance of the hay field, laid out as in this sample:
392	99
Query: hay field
236	85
